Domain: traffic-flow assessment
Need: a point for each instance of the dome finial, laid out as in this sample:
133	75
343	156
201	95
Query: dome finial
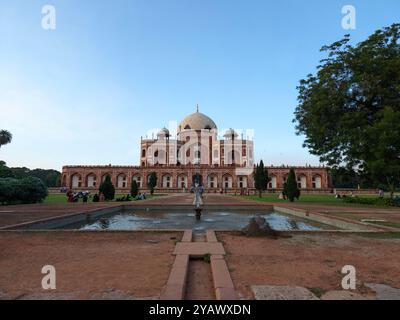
197	108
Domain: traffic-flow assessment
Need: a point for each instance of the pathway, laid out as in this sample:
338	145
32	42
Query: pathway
189	275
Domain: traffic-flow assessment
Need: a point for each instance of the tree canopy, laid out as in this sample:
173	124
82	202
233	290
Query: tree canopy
51	178
349	111
5	137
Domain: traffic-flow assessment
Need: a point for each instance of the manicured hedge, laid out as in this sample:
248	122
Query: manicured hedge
26	190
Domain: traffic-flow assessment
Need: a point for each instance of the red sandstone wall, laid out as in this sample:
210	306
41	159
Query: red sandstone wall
128	172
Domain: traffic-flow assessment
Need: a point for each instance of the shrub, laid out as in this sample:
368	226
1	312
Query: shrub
290	189
26	190
134	189
96	198
107	188
152	182
124	198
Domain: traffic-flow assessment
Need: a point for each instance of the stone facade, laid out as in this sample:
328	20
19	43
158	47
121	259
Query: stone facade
180	178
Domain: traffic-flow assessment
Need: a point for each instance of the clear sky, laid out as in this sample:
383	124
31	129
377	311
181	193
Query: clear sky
86	92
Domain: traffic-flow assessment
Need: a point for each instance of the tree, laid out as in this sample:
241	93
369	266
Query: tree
152	182
261	178
51	178
290	189
26	190
134	189
5	172
5	137
349	110
107	188
384	162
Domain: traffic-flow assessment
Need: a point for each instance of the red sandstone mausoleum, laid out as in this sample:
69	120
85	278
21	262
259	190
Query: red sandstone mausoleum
222	164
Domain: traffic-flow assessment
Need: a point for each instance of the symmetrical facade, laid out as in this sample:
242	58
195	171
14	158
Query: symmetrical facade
225	164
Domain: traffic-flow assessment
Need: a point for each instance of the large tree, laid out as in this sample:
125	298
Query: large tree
349	110
5	137
261	178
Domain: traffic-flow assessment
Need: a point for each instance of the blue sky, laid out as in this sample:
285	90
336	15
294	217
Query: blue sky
111	71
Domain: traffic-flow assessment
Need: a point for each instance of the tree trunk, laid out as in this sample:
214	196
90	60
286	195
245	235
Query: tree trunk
392	187
260	193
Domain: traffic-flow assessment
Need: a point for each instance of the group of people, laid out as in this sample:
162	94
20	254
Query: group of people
85	196
141	196
75	196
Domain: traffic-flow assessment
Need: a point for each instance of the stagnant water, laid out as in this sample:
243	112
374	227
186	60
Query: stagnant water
216	220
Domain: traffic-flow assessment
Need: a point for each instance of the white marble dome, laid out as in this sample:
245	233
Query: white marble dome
164	132
197	121
230	133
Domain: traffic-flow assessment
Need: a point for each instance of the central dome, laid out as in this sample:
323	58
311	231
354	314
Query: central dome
197	121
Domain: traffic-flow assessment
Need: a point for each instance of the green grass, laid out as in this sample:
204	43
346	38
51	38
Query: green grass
391	224
309	198
318	292
381	235
58	198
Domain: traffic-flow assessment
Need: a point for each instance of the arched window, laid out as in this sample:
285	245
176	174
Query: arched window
143	152
316	182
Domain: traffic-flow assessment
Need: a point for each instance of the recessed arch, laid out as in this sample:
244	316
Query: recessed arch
317	181
167	180
212	181
76	180
182	180
227	181
91	180
301	181
122	180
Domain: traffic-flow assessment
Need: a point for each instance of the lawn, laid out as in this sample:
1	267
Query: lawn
307	198
53	198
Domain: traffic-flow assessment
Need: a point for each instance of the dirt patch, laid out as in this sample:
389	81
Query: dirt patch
89	265
311	261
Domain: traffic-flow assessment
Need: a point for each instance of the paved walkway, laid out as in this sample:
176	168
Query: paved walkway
187	249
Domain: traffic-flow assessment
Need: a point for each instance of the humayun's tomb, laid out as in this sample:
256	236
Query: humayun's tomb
221	164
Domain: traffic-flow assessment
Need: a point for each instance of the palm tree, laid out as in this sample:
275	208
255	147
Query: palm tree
5	137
